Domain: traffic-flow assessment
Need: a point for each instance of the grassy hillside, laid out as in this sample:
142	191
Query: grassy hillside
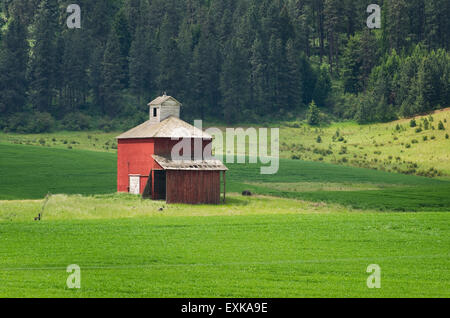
127	248
316	244
30	172
392	147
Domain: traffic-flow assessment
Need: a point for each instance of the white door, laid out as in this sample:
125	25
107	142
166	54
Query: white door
135	185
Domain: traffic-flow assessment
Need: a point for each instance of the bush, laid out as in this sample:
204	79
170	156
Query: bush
313	116
413	123
343	150
446	136
419	130
76	122
441	126
30	123
426	124
319	140
43	122
105	124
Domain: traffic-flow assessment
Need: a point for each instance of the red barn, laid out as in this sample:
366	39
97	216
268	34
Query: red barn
145	164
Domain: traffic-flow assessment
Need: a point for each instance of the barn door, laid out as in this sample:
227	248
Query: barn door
160	184
135	184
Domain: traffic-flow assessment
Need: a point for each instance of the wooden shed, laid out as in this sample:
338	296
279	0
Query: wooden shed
145	163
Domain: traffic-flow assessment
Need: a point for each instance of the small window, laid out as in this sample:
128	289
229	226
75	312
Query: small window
155	112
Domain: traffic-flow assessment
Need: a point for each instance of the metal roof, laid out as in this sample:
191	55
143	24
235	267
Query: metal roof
190	165
171	127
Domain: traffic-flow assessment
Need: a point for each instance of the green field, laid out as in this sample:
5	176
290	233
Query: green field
31	172
285	255
310	231
392	147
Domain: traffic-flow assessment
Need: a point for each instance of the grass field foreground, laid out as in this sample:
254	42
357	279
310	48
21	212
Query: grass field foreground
127	248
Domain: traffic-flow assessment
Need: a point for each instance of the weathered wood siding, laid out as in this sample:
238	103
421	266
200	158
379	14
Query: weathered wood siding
169	110
164	111
193	187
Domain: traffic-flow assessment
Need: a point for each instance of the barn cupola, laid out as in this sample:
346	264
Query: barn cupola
164	107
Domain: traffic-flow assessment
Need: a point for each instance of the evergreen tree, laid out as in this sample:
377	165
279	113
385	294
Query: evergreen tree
112	76
170	78
294	81
74	61
259	78
205	74
43	62
121	28
13	61
322	87
142	62
313	116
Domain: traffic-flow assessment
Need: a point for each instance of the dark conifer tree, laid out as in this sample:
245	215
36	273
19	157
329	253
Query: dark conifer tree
112	76
13	61
43	59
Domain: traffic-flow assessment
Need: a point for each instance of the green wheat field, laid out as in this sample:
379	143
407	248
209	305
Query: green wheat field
309	231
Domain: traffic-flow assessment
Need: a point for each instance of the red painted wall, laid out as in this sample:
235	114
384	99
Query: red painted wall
193	187
134	157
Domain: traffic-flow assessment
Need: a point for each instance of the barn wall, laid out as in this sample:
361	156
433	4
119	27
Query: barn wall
157	119
163	147
193	187
134	156
170	110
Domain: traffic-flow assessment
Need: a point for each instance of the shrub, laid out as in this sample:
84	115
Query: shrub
76	121
105	124
31	123
313	116
414	141
319	140
426	124
43	122
413	123
441	126
343	150
425	138
433	137
418	130
446	136
408	146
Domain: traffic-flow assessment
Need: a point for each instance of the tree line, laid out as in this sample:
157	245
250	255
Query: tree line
231	61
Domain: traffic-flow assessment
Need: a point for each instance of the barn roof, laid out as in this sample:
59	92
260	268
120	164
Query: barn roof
162	99
190	165
171	127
